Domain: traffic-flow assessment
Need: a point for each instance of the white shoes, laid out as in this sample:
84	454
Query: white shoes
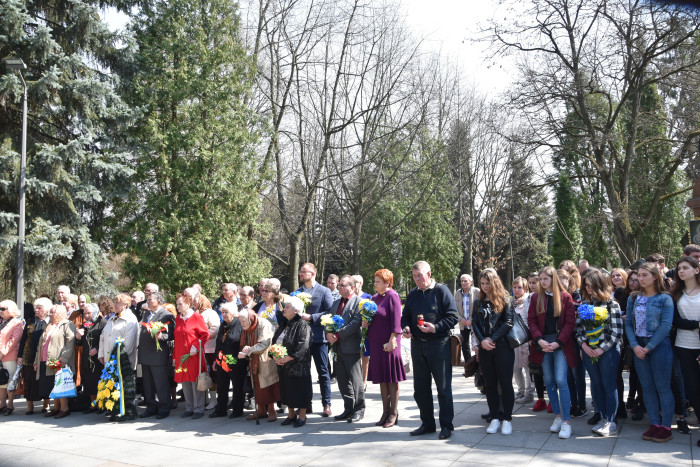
506	427
210	405
524	399
494	426
607	429
565	431
556	425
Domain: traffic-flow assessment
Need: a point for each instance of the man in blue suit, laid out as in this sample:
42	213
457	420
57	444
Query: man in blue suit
321	302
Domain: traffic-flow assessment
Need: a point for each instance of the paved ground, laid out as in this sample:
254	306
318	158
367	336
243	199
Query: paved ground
87	440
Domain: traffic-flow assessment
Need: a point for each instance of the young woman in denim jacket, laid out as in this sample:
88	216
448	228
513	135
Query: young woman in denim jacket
647	327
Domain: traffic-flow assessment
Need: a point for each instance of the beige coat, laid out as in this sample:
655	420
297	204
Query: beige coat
61	346
267	370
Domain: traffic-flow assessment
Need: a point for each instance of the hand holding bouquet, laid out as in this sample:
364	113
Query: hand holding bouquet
593	319
226	361
277	351
367	309
153	329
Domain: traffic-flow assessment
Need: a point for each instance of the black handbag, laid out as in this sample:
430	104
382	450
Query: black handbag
4	375
519	334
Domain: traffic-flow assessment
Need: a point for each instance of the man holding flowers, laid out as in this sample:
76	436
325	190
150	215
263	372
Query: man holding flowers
346	343
155	331
321	302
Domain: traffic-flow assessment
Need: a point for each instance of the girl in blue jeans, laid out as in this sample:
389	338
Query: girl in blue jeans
551	319
601	354
647	327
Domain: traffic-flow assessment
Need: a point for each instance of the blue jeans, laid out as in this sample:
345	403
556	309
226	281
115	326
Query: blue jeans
319	352
603	375
654	374
554	370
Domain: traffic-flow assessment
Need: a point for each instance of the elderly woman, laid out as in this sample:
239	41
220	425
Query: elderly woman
75	316
294	369
88	340
270	308
56	344
228	342
256	340
190	335
30	341
10	337
212	320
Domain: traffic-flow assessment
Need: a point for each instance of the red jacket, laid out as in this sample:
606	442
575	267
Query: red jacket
187	334
565	338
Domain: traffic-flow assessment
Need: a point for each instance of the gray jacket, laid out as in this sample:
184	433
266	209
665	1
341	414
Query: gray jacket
351	332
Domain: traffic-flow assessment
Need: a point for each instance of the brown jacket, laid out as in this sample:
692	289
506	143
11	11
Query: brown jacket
61	346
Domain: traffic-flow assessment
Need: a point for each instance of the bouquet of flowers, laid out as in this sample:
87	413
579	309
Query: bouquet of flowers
183	360
153	329
226	361
332	323
593	319
367	309
277	351
108	389
88	324
54	363
303	296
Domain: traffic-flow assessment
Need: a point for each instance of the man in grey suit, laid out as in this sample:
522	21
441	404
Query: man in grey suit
464	299
346	344
155	363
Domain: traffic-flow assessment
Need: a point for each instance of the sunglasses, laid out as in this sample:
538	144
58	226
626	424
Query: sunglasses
3	309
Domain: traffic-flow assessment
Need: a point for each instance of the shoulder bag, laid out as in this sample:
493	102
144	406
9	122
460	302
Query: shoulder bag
519	334
204	382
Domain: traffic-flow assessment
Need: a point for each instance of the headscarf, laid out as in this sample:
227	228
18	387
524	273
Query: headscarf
249	337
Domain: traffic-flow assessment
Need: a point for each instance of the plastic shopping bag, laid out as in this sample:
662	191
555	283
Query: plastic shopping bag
64	386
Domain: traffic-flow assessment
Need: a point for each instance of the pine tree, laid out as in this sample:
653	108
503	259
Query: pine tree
566	238
190	217
76	160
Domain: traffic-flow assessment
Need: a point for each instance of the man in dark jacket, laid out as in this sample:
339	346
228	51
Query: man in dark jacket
346	344
155	362
321	302
430	347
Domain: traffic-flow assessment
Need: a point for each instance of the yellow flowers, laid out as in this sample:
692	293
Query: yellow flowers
109	405
601	313
327	319
110	384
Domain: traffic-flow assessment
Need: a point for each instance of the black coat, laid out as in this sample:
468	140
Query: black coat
148	353
487	323
228	340
297	341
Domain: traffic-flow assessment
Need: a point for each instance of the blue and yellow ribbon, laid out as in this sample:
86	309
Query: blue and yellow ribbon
119	342
594	335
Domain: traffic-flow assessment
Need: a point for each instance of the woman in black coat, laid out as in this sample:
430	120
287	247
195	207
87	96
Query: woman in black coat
295	368
88	337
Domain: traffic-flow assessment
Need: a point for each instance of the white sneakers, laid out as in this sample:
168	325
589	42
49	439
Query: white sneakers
524	399
505	426
556	425
494	426
565	431
606	429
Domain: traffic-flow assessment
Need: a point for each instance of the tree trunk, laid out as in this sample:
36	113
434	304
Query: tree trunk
357	243
292	269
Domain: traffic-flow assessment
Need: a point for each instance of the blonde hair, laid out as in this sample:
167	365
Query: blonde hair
11	307
574	275
523	283
123	298
557	289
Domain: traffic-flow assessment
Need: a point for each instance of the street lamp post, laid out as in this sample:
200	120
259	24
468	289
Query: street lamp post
18	65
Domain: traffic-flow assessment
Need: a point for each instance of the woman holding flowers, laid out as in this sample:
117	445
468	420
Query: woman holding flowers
293	361
551	319
10	338
647	327
188	355
686	317
384	336
56	350
598	331
230	370
492	320
270	307
92	326
255	343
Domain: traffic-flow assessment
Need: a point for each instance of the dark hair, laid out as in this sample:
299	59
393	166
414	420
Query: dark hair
599	284
656	258
629	291
678	284
692	248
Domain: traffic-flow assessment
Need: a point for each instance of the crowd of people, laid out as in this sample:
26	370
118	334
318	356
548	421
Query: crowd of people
546	333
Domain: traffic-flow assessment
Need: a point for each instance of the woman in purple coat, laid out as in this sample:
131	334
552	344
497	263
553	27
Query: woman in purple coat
386	366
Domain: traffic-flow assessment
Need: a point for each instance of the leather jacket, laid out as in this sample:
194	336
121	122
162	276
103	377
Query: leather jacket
487	323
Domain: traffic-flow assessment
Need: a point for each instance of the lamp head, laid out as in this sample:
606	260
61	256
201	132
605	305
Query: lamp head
14	64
